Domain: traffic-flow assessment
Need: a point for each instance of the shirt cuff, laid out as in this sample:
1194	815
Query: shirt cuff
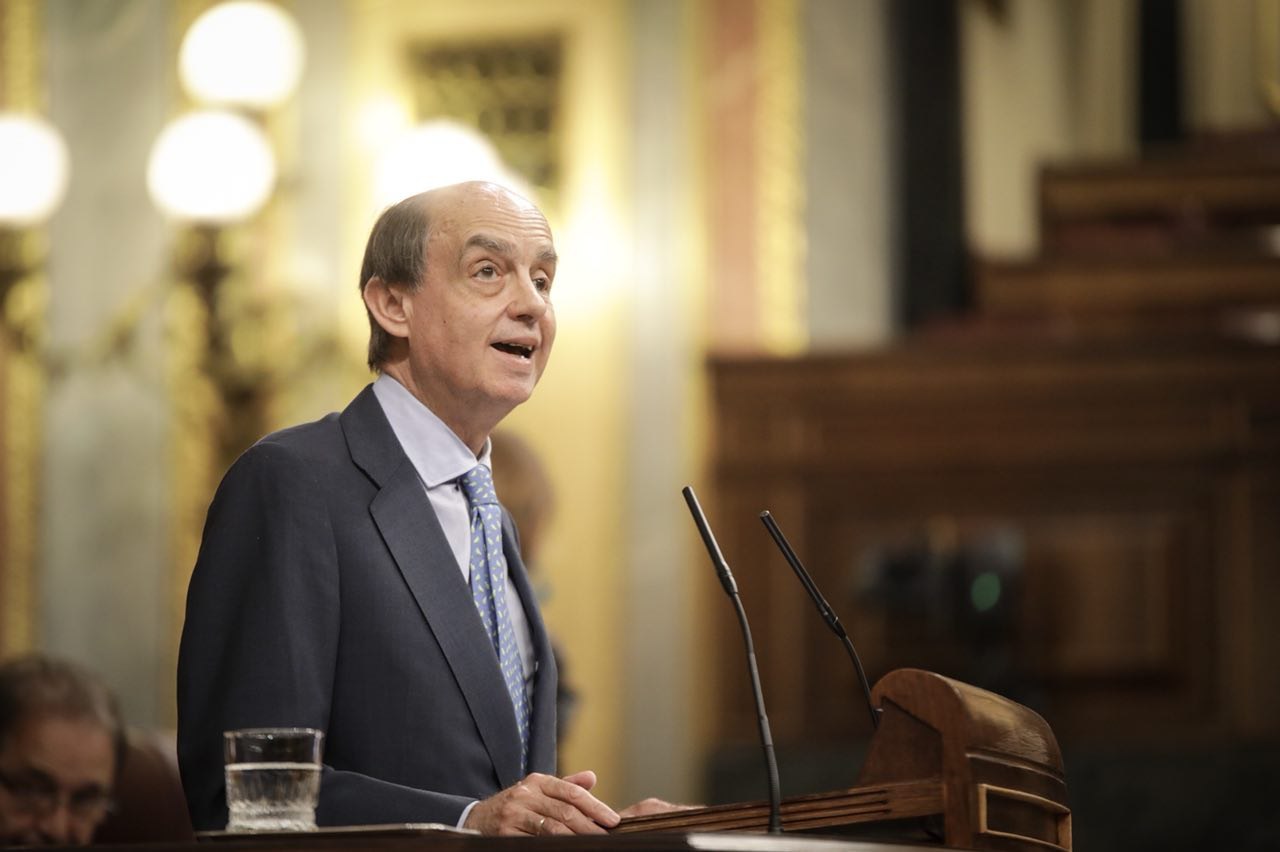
466	812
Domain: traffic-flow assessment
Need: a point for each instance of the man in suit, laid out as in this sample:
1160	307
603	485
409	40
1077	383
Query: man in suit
335	586
61	744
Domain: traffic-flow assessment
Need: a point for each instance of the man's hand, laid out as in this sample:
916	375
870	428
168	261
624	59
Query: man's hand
543	804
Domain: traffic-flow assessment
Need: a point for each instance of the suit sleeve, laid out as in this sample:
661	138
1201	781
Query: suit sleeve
260	640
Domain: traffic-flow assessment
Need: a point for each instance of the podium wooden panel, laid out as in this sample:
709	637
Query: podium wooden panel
974	769
411	839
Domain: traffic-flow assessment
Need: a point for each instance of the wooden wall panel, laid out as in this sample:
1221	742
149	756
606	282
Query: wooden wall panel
1132	484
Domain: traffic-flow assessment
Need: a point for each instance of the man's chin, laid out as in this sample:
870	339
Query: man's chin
513	393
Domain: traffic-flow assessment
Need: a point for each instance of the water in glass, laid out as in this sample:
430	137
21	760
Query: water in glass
272	796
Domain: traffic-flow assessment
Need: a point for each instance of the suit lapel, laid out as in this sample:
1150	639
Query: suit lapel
409	527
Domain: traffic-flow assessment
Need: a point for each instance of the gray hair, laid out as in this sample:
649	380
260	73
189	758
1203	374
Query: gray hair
396	253
35	685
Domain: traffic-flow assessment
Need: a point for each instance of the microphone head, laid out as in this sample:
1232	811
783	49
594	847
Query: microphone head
709	541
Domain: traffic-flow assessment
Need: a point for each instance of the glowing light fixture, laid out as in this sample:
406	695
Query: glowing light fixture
439	153
379	119
244	53
33	170
212	167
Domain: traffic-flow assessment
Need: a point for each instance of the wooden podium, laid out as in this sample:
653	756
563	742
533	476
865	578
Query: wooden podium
949	761
950	765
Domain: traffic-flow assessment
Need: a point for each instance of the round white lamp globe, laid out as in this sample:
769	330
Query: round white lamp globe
439	153
244	53
212	167
33	170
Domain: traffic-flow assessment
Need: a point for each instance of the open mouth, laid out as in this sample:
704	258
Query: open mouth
518	349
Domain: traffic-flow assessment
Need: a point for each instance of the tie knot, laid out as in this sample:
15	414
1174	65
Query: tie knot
477	484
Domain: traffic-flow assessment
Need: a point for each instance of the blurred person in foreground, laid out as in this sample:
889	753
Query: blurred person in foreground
61	745
357	574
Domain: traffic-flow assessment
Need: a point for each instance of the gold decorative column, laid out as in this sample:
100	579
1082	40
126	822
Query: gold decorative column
755	175
780	240
22	301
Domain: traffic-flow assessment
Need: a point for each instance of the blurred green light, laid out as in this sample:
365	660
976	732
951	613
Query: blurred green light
985	591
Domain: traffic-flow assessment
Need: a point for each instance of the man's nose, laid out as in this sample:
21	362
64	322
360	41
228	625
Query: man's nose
528	300
59	826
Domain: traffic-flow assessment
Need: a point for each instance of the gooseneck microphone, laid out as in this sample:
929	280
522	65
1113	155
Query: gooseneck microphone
731	589
828	615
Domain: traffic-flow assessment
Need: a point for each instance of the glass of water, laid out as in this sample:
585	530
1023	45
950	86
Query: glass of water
273	778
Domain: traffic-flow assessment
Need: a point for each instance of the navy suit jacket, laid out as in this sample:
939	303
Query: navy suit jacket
326	595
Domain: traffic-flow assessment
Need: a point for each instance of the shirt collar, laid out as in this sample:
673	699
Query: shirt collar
438	455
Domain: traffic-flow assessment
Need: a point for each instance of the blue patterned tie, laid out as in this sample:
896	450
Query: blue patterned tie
489	590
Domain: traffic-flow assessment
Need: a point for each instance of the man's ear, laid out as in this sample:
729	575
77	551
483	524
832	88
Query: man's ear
388	306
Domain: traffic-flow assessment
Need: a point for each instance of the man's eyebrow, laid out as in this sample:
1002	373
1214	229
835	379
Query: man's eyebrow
493	244
500	246
34	774
92	788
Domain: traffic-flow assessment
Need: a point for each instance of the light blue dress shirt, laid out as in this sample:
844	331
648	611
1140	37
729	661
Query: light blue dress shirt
440	457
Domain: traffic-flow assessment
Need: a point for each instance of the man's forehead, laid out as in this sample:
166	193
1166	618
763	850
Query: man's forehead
477	198
71	751
488	217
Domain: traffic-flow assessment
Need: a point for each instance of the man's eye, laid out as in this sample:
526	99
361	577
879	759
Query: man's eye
487	271
32	786
543	284
86	801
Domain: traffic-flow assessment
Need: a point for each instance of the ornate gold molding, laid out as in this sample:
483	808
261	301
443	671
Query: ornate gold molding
508	88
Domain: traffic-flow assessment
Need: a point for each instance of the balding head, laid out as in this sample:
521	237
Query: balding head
458	288
397	248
